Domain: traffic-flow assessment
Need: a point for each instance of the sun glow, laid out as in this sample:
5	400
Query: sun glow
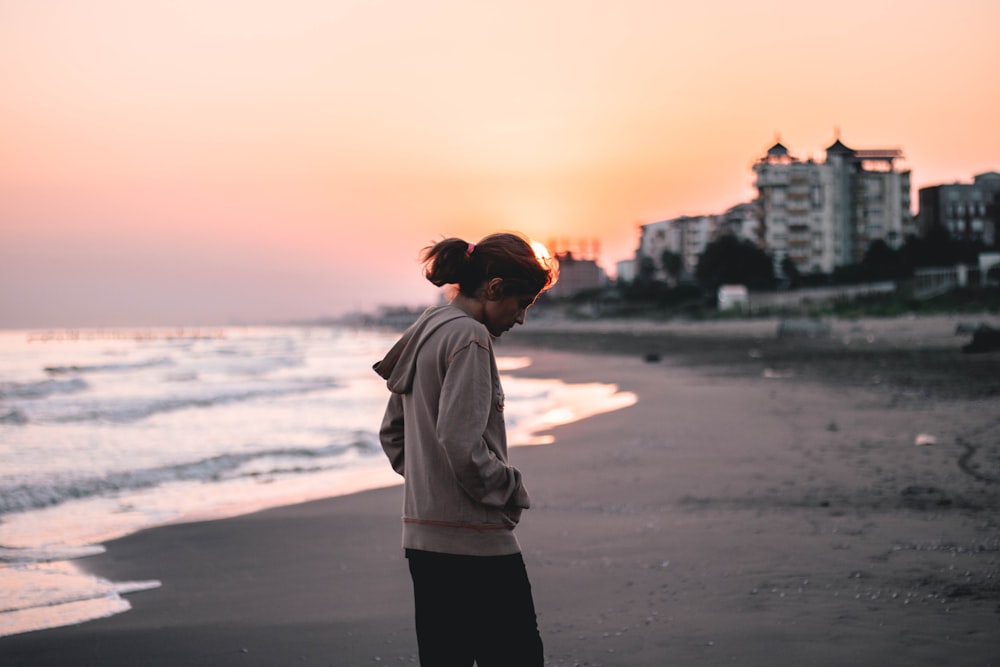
541	252
547	260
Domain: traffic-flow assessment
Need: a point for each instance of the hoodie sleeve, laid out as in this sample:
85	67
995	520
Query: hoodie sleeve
391	432
464	409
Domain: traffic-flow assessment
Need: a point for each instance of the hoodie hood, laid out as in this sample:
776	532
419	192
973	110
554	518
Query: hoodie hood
399	364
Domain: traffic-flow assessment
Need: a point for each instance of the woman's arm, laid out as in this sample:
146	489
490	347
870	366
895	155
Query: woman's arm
391	432
464	410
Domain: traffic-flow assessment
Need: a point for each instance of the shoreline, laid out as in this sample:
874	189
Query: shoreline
907	356
47	586
727	517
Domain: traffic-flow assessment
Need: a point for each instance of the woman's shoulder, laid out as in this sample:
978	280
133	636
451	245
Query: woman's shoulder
462	331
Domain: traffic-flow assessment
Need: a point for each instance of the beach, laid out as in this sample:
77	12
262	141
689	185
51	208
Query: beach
767	501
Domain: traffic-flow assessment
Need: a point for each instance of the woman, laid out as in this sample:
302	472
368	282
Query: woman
444	431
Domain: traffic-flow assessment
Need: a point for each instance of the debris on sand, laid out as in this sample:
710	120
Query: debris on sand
984	339
965	328
803	327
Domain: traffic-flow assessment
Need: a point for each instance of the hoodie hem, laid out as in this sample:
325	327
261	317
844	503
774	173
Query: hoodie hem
443	537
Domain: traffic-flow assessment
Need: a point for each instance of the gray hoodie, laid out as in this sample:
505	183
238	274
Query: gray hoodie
444	431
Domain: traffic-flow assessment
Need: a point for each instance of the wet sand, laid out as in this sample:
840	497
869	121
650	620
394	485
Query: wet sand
764	503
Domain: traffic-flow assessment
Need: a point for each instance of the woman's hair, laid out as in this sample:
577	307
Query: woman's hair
505	255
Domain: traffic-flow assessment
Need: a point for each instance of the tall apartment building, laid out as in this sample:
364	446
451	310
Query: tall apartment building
969	211
825	214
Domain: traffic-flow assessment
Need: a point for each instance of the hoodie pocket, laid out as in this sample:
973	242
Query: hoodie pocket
512	516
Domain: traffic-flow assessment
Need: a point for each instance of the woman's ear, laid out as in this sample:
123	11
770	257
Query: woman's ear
494	289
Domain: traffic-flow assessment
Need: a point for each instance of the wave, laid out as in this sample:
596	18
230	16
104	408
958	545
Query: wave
48	553
137	409
249	364
98	598
41	388
23	497
105	368
15	417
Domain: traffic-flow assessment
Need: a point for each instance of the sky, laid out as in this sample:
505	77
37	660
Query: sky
204	162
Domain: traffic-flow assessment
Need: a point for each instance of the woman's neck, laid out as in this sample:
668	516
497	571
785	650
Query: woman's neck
471	306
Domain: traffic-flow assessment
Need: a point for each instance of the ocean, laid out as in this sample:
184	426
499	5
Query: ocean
104	432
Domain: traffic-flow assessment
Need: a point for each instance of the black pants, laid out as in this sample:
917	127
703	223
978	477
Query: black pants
474	609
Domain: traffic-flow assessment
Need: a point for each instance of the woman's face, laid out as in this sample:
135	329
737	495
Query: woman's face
501	314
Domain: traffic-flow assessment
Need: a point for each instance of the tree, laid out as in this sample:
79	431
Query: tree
647	270
791	271
731	261
937	248
672	263
880	261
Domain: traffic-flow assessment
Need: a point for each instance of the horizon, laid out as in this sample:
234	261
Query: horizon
175	164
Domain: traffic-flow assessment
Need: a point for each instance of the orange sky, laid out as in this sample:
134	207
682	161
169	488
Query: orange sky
192	162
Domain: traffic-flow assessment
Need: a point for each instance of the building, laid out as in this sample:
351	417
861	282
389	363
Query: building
968	211
825	214
625	271
576	275
654	238
819	214
989	182
744	222
685	237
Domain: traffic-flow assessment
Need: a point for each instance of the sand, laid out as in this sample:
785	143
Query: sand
764	503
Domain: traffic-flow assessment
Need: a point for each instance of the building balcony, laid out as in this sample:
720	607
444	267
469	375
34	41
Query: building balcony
767	179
